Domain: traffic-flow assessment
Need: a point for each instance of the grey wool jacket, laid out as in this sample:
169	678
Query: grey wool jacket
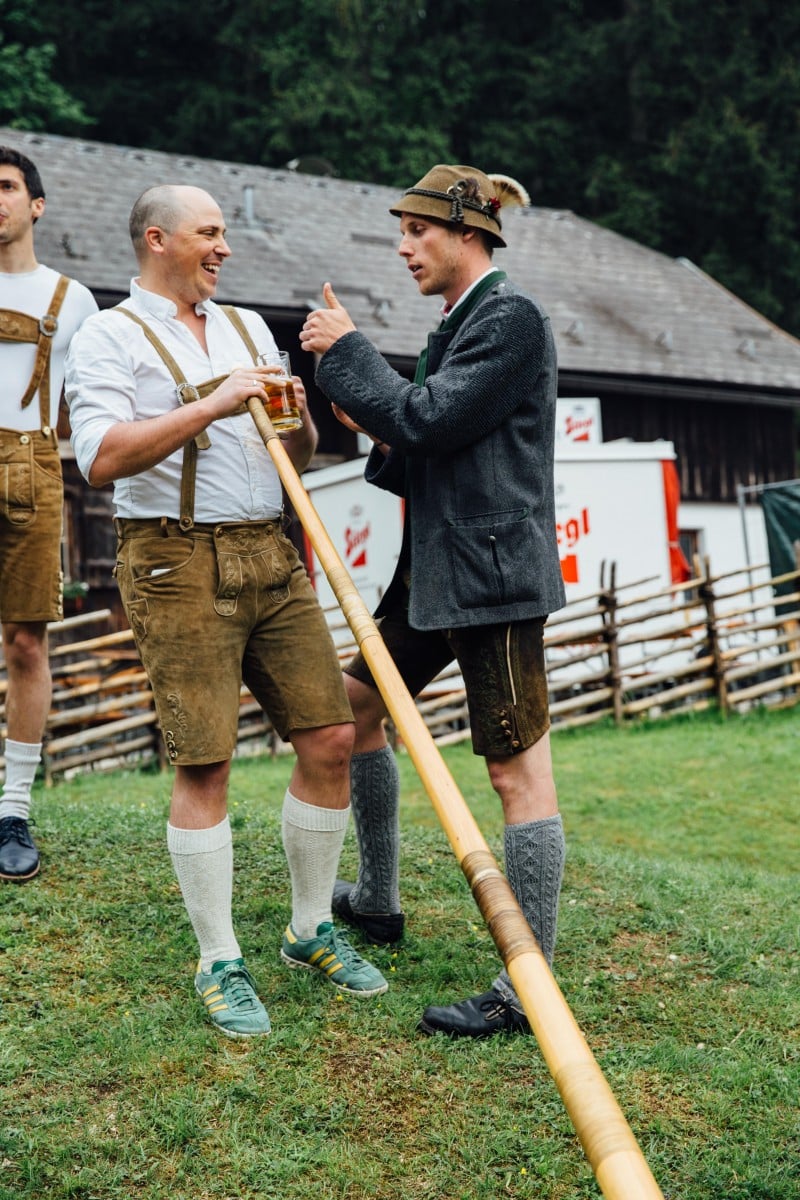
472	454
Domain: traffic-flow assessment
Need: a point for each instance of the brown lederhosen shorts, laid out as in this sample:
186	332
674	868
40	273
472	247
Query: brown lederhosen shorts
31	519
503	668
216	605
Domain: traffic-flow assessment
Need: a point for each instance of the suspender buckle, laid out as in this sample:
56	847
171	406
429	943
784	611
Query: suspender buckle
48	324
186	393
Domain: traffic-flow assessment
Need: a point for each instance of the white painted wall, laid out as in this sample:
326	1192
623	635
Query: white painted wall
722	534
610	508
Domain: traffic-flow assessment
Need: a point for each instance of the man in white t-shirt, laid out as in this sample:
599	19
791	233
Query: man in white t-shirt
39	312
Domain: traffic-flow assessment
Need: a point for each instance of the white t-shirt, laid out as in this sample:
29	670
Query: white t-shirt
30	292
115	375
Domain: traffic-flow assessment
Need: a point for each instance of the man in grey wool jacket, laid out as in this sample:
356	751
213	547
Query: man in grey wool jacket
469	445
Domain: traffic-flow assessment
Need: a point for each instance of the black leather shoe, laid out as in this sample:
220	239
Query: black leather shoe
19	858
382	929
480	1017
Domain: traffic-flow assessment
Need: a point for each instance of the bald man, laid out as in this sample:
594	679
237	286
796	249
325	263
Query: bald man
214	591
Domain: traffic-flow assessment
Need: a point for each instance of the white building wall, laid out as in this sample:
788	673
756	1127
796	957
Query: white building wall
724	536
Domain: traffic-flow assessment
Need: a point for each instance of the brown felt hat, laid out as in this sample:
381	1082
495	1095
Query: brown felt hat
461	195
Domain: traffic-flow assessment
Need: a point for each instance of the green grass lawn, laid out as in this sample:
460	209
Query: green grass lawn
678	954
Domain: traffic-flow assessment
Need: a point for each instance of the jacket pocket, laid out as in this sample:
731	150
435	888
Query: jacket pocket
490	557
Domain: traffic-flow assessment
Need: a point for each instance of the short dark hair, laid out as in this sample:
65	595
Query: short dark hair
158	205
33	180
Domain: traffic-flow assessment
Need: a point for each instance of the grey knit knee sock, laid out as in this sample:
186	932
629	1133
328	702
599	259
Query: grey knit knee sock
535	854
375	805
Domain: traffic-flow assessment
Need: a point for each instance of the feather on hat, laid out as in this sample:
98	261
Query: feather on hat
510	191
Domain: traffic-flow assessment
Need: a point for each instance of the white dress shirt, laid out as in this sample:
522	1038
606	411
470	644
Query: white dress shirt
31	292
448	309
113	374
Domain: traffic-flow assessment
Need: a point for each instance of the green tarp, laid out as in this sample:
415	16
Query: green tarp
781	507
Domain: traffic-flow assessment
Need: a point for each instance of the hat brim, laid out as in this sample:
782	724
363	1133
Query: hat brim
439	210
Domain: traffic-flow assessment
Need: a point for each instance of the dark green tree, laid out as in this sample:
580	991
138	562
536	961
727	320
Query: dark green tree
671	122
30	98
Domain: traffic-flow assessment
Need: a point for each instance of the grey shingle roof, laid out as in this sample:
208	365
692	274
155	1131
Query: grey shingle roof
616	306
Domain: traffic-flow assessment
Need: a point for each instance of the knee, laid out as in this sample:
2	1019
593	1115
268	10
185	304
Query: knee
499	775
25	647
204	777
328	749
514	795
369	711
525	786
338	743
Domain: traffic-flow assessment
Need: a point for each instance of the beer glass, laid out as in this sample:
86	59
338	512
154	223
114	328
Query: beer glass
281	405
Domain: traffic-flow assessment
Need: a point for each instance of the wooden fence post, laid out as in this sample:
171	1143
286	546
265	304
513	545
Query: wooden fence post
608	605
47	765
706	593
792	625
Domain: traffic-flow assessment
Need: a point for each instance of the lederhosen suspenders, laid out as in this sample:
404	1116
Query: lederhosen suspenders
186	393
20	327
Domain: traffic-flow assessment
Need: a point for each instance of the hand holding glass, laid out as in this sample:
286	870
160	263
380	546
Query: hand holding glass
281	404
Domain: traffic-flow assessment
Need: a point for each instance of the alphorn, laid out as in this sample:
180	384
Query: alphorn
607	1140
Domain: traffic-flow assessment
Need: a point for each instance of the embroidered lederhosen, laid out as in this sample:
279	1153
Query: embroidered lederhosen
186	393
21	327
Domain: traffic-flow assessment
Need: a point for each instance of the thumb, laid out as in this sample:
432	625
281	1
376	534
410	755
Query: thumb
329	296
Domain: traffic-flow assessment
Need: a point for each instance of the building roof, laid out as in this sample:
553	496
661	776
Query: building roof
617	308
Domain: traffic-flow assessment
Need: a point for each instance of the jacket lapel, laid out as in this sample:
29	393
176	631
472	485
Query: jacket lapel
440	339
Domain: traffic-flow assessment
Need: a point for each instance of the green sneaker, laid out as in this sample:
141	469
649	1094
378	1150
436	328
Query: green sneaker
229	996
331	953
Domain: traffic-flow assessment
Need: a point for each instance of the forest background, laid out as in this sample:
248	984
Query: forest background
673	123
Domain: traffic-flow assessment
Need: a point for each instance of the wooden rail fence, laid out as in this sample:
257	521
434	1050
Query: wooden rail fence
621	654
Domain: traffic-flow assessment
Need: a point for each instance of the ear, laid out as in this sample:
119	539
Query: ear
154	239
37	207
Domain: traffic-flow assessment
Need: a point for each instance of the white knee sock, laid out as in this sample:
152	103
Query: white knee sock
22	759
203	862
313	839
